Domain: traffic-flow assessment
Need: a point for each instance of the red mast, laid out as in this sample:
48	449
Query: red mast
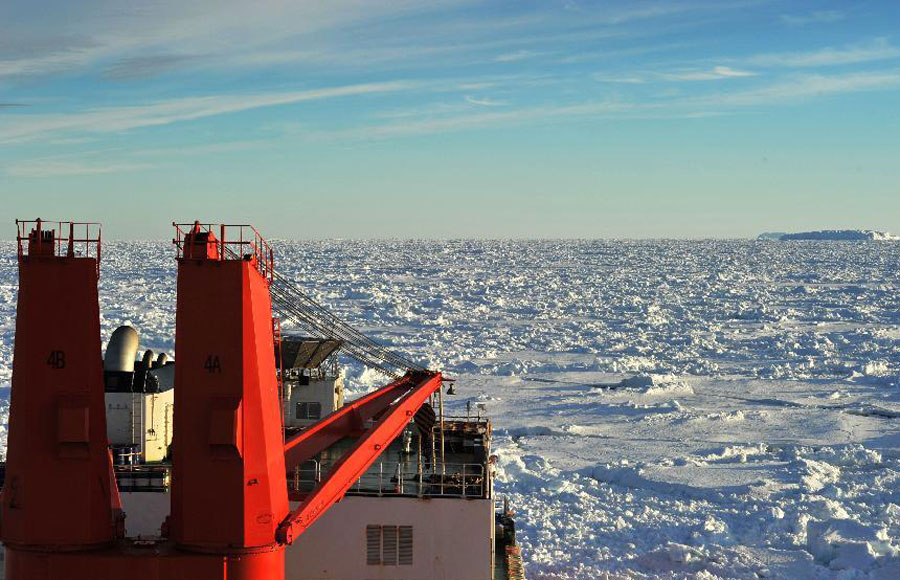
59	493
228	481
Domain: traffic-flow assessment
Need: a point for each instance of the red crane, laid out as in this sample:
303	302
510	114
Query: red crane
230	515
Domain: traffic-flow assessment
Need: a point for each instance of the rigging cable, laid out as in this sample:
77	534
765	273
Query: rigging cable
291	303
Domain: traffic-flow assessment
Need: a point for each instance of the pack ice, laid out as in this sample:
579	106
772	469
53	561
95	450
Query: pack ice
662	409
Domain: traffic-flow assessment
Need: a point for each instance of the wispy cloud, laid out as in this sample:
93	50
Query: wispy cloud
117	160
804	87
72	140
429	110
484	102
477	120
683	75
516	56
144	37
115	119
459	55
877	49
439	117
44	52
621	79
143	67
133	42
817	17
206	149
716	73
37	169
783	92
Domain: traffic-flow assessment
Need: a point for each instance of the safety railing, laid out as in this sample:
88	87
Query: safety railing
328	370
234	242
391	478
143	478
59	238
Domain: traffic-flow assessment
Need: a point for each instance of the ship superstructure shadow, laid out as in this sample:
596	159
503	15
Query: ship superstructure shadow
225	457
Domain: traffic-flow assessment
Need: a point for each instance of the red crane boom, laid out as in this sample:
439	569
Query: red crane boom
415	387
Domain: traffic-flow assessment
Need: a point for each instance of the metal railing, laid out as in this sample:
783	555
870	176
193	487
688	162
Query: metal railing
234	241
62	239
143	478
390	478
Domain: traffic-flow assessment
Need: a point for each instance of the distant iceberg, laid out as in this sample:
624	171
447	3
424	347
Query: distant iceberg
832	235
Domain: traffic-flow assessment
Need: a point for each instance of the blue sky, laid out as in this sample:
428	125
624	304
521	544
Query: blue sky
410	118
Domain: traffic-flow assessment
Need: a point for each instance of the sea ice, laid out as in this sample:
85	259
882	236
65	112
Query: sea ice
670	409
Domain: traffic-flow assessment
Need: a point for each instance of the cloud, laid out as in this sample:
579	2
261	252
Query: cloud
115	119
478	120
69	168
438	118
877	49
805	87
71	140
129	41
484	102
145	36
622	80
517	56
719	72
817	17
42	52
97	162
12	105
716	73
431	39
782	92
142	67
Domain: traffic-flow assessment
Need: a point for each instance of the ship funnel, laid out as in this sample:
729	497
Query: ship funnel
121	350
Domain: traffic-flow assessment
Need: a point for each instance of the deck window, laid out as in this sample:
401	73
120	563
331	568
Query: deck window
309	411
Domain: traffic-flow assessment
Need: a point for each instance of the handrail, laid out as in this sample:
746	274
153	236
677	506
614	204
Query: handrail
234	242
68	239
458	480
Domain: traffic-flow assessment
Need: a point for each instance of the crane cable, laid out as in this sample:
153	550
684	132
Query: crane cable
289	302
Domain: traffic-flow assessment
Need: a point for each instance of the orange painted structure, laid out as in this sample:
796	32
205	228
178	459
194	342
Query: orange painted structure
58	467
60	506
228	474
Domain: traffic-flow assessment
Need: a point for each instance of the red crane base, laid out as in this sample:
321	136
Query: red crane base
136	562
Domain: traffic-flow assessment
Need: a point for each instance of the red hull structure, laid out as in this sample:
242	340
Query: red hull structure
57	431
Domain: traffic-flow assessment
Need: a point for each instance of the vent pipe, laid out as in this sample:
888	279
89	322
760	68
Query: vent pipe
121	350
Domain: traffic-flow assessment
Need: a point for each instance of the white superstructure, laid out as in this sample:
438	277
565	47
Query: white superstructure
140	400
313	386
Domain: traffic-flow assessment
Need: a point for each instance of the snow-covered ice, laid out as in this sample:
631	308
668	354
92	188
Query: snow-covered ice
669	409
